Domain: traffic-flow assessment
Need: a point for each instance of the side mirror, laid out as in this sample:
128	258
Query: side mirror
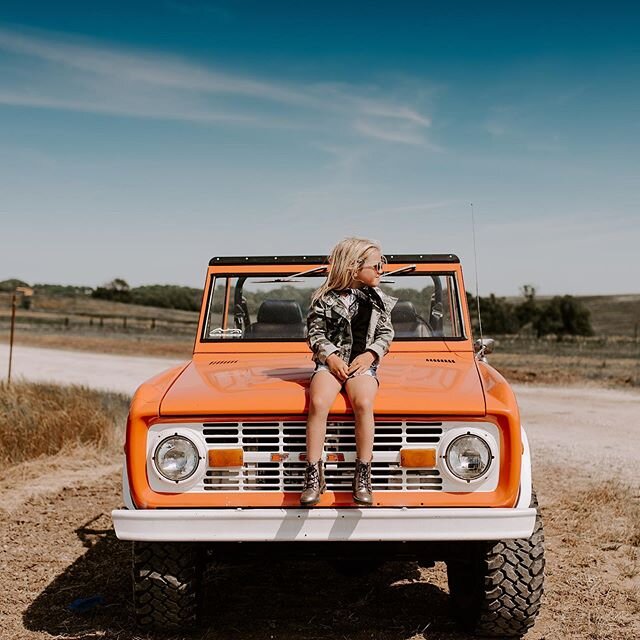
483	347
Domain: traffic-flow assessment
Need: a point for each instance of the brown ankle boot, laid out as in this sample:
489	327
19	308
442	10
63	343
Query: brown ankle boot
362	483
314	484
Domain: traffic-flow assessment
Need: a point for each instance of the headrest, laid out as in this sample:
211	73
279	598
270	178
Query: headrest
404	311
280	312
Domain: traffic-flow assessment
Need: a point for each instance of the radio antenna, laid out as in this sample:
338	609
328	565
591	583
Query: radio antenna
475	258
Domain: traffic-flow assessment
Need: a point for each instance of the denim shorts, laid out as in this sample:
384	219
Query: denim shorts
371	371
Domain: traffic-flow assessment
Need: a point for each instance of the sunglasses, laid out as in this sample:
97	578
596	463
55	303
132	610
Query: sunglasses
379	266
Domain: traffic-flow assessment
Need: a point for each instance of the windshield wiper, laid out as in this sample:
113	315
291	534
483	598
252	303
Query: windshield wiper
410	267
295	277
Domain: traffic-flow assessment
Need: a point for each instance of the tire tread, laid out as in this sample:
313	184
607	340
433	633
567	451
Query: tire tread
166	585
497	593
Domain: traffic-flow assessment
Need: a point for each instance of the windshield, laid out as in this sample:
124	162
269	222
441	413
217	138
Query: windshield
274	307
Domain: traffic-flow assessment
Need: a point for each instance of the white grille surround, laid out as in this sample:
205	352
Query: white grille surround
259	439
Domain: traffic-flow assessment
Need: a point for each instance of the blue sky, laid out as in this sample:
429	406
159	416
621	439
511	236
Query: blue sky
139	139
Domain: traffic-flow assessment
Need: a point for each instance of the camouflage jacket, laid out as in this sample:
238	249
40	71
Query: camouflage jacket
329	325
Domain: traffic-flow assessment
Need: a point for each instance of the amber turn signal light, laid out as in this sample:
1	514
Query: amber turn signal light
226	457
417	457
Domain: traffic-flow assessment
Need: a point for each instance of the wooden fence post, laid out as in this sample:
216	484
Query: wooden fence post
13	322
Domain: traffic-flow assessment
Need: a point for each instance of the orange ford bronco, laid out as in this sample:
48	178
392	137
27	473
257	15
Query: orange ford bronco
215	449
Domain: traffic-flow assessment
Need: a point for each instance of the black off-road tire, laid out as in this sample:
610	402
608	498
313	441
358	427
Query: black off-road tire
496	587
167	584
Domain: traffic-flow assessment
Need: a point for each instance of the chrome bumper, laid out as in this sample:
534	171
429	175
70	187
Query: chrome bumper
320	524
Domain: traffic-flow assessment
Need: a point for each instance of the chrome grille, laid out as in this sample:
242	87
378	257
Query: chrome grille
260	439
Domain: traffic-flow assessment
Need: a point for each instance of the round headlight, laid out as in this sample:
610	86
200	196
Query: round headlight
176	458
468	457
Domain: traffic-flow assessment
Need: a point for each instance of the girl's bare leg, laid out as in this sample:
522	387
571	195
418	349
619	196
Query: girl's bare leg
322	392
362	391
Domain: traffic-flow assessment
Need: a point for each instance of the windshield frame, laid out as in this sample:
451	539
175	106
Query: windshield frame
282	271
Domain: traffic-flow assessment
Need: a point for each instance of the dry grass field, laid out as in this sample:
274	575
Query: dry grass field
101	326
57	545
610	315
614	315
604	361
55	305
43	419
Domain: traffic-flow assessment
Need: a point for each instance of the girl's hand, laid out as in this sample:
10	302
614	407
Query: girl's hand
338	367
361	363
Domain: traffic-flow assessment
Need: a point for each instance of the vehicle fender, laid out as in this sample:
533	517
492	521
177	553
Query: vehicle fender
524	497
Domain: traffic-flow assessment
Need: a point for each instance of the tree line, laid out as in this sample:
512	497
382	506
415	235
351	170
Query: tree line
167	296
559	316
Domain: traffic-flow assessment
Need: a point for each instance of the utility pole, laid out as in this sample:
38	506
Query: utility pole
13	323
14	299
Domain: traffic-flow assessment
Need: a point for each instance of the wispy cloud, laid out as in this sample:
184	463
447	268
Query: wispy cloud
60	72
373	130
151	69
396	113
148	111
404	133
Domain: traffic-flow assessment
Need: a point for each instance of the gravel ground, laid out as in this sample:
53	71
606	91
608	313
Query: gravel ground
57	543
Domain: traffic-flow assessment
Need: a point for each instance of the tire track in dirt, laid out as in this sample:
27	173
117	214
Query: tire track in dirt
45	477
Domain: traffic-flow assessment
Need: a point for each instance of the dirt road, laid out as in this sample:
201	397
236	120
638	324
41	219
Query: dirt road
97	370
57	544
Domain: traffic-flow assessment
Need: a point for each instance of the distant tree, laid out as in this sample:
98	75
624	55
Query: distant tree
62	290
287	292
498	315
528	310
563	316
11	284
118	284
167	296
117	290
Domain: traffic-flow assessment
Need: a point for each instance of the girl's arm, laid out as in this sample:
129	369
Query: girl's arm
317	333
382	337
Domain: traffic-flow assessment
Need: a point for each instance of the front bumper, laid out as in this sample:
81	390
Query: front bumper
300	525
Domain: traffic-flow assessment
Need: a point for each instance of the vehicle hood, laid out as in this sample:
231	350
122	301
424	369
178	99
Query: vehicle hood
442	383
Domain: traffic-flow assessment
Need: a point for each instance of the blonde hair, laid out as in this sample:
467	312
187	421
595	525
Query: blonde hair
344	261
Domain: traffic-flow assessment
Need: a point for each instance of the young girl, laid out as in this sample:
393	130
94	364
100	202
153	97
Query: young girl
349	331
